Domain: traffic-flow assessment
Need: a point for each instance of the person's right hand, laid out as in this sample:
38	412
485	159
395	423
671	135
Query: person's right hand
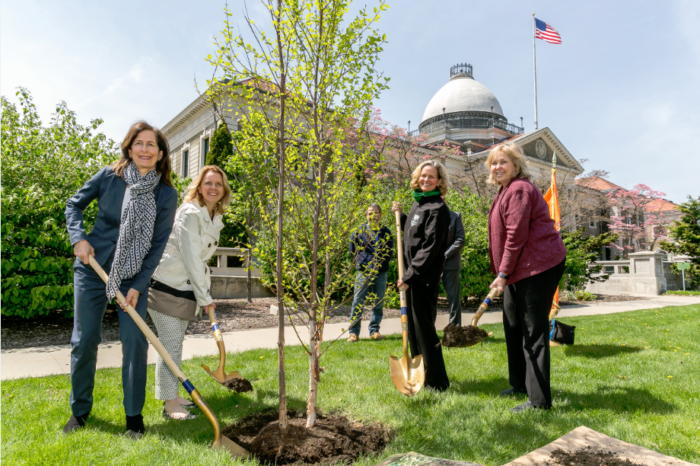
396	207
83	250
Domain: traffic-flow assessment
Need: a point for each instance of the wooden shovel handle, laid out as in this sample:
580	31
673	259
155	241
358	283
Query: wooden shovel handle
152	338
402	293
483	306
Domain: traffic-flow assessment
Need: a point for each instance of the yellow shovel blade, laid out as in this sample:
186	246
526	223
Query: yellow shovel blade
408	375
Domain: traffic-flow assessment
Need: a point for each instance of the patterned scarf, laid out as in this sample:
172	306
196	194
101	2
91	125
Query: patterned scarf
136	229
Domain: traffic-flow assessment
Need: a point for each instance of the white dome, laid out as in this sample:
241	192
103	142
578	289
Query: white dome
462	94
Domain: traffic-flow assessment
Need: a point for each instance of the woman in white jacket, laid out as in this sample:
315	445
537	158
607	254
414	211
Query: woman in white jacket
181	284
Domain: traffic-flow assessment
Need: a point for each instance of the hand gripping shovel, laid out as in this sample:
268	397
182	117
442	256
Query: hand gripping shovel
220	441
219	374
407	374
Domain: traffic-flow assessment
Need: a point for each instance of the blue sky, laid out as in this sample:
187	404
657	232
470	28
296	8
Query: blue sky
621	91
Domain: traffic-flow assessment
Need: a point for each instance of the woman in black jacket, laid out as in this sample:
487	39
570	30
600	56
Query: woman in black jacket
425	241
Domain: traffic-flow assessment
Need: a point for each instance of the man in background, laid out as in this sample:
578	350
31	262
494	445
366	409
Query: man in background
453	263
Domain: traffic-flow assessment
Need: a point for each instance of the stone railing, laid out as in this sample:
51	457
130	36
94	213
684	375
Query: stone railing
236	282
644	273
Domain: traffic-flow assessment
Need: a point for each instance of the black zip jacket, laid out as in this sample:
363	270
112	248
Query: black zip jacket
425	231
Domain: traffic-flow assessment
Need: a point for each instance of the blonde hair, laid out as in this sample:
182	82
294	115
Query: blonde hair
193	189
515	153
443	178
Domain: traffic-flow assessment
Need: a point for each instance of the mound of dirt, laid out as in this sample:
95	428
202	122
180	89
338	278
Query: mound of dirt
239	385
456	336
588	456
333	439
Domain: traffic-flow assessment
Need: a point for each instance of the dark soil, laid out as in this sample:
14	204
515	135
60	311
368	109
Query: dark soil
588	456
333	439
456	336
239	385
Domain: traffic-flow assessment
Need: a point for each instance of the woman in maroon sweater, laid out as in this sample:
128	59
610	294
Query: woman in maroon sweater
528	255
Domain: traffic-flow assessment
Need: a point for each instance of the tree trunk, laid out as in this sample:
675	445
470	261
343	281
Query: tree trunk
313	375
280	231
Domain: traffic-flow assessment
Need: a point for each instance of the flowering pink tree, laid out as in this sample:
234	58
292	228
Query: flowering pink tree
636	216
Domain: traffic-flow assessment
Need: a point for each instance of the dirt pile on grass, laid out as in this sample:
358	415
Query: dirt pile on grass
588	456
239	385
333	439
456	336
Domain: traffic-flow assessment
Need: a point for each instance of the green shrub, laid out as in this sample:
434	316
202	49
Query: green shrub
41	168
580	253
683	293
583	295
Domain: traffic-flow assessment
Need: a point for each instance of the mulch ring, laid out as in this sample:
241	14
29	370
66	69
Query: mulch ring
588	456
456	336
333	439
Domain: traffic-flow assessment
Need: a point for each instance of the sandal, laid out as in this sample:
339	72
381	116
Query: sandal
178	416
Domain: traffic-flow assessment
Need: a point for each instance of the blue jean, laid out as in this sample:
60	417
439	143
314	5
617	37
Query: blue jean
90	306
363	286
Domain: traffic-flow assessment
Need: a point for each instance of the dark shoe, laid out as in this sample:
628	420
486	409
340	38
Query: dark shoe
523	407
134	427
176	416
75	423
513	392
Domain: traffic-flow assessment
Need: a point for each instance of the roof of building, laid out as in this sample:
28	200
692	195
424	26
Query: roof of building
661	205
597	183
462	93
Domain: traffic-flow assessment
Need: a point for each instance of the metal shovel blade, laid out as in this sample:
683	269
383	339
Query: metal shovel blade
235	450
408	375
220	376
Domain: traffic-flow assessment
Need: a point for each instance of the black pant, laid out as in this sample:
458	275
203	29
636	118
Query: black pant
421	304
453	288
526	306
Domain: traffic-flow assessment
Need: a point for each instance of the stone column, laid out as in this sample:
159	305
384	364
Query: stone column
647	273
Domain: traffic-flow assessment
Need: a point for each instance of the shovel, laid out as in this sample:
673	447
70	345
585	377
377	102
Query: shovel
458	335
219	374
235	450
482	308
407	374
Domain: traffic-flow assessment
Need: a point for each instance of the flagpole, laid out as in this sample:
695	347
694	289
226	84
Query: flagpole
534	64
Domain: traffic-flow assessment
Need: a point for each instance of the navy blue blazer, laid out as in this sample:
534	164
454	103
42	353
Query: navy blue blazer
109	191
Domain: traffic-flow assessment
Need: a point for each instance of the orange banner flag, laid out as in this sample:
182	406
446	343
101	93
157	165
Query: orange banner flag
552	198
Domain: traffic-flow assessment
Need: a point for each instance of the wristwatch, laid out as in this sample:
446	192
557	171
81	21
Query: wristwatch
502	275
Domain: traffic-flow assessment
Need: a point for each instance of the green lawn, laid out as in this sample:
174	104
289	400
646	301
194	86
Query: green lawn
634	376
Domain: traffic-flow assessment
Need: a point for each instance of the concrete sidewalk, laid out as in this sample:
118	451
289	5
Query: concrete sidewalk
49	360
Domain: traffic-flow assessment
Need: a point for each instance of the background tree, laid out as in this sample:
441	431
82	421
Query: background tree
685	238
581	252
635	219
42	166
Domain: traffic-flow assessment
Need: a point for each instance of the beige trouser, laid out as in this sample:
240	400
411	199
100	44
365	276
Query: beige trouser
171	332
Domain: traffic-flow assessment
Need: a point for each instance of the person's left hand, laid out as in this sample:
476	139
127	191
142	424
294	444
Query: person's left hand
500	284
401	285
132	297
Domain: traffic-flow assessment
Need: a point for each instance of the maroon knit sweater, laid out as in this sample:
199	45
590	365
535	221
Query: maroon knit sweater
522	238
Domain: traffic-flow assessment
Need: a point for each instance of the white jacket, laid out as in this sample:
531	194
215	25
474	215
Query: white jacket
191	244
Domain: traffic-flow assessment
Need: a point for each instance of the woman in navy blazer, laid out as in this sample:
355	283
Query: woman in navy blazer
133	223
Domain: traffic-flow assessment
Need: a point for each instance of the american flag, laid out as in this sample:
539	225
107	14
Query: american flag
546	32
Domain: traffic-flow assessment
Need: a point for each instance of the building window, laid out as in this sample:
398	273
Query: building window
591	224
205	150
185	162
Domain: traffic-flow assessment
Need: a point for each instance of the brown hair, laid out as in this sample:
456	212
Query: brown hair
163	167
515	153
443	178
193	191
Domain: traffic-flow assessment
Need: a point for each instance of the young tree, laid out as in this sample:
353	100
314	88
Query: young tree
636	219
322	66
42	166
